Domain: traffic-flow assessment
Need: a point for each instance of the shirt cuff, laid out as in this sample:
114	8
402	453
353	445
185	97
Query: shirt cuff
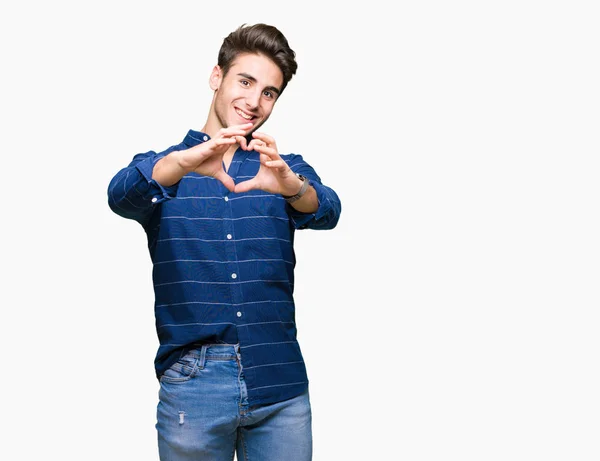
302	220
156	192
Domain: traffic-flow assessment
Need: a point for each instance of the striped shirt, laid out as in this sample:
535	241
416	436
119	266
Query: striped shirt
223	264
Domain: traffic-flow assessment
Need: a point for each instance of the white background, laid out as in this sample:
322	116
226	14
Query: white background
453	312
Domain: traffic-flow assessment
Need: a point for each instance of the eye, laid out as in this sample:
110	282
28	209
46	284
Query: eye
268	94
245	82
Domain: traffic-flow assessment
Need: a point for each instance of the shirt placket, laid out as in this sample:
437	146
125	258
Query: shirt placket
233	268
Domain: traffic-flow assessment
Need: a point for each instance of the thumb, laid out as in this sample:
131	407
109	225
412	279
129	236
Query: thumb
226	180
245	186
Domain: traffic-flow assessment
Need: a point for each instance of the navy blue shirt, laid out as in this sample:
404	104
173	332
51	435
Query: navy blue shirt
223	264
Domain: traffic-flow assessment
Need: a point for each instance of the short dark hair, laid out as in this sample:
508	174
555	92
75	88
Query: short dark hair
262	39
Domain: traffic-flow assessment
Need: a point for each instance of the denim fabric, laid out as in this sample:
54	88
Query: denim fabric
203	413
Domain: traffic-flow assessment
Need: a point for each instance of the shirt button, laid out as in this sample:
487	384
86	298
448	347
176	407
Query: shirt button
228	236
154	199
239	314
227	199
205	138
234	276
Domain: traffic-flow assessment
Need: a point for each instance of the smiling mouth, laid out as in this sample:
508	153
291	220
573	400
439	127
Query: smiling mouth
244	115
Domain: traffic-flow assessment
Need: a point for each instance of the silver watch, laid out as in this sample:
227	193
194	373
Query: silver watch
303	189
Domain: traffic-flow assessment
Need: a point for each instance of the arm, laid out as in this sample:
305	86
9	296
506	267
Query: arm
168	170
328	205
318	208
134	193
152	178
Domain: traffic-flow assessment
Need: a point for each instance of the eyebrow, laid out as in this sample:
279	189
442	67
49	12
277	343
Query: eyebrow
250	77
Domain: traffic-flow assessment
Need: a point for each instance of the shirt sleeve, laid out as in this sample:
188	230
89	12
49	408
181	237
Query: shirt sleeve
133	194
330	206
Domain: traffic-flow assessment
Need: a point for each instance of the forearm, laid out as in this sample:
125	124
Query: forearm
320	206
326	214
308	203
168	170
133	193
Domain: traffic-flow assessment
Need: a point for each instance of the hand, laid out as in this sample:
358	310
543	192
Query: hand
274	175
207	158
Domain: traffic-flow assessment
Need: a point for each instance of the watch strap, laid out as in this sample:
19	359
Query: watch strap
303	189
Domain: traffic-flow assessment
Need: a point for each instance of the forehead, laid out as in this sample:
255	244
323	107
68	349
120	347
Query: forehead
263	69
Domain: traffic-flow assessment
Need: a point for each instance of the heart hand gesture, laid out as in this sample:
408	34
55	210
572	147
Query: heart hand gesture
207	158
274	175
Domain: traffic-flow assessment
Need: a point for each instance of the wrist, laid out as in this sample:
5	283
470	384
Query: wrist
302	190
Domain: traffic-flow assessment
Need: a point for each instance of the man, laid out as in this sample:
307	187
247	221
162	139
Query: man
220	210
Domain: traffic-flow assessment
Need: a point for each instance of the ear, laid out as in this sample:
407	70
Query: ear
216	76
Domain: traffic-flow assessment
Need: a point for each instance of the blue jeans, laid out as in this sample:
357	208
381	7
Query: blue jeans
203	413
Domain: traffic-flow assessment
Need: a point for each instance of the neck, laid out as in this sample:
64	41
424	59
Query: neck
212	123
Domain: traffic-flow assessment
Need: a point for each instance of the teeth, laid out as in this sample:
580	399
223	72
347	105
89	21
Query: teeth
247	117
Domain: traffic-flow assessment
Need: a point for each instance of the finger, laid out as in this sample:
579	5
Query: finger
231	134
270	151
236	128
211	144
224	141
255	142
276	164
245	186
264	137
242	142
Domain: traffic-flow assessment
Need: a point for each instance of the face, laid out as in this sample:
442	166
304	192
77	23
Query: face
247	93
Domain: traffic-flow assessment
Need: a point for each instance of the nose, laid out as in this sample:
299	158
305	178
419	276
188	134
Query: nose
252	100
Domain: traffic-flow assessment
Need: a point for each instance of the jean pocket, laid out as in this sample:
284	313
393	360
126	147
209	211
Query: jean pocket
183	370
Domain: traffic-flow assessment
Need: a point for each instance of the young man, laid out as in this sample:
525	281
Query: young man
220	210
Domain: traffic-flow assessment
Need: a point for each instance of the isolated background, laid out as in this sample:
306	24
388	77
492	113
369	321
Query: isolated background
452	314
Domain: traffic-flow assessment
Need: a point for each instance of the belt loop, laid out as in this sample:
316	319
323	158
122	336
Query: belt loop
202	359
